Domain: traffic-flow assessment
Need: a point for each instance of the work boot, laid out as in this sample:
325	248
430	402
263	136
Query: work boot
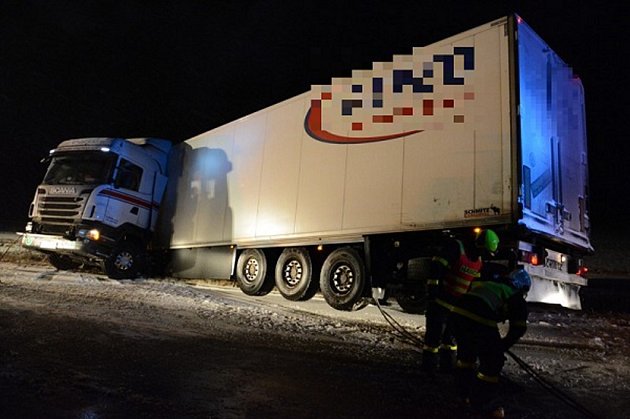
429	362
464	404
497	413
464	378
448	358
484	397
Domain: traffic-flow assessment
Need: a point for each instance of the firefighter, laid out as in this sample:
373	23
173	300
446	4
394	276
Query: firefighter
452	272
474	320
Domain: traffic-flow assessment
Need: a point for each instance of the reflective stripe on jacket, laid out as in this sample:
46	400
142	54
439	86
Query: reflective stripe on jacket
494	294
472	316
489	303
463	272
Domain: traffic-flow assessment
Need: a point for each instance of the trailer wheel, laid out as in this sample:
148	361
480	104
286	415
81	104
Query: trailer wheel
413	303
294	273
62	263
342	279
124	262
413	296
251	273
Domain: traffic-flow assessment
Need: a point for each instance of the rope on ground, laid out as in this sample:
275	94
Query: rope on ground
405	336
398	330
11	244
551	388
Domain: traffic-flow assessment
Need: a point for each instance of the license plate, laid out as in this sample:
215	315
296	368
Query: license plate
48	243
553	264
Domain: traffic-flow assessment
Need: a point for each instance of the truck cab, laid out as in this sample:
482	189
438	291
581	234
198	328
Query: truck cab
98	203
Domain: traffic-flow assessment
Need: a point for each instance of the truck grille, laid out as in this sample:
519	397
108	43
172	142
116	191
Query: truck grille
60	210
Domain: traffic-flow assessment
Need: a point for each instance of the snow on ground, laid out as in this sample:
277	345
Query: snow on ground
170	306
583	353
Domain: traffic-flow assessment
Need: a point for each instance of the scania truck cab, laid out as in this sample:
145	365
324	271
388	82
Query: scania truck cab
98	203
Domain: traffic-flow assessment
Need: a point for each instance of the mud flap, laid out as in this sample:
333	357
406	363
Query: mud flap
555	292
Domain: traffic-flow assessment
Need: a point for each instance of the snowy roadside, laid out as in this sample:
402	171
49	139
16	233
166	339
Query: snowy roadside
273	312
173	307
582	353
547	328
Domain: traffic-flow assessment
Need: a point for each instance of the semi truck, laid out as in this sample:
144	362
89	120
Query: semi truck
349	188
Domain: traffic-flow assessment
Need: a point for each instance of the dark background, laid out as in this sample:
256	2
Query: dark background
134	68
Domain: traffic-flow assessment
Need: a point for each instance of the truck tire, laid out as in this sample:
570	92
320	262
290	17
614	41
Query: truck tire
294	273
251	273
124	262
413	296
63	263
342	279
412	303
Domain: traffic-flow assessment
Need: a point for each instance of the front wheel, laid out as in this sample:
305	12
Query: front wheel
342	279
124	262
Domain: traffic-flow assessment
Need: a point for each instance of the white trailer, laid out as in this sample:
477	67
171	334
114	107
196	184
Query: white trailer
485	128
339	188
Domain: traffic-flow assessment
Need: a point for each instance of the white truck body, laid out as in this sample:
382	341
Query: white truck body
98	202
482	129
285	186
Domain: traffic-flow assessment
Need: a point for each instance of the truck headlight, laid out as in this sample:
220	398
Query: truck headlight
92	234
29	227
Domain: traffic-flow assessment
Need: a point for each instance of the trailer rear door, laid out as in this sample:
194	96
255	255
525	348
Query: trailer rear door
553	142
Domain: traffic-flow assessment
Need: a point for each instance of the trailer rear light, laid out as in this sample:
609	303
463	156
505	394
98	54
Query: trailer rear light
582	271
532	258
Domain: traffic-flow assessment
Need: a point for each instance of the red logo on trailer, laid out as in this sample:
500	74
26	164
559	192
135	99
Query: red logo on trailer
423	91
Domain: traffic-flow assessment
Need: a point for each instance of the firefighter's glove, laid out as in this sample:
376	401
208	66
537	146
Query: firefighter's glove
433	287
505	345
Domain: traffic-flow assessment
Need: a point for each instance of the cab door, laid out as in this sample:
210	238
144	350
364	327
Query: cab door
130	201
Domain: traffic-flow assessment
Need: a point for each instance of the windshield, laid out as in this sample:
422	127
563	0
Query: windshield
82	168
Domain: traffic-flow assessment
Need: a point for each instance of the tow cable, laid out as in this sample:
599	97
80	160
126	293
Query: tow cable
11	244
568	400
398	330
405	336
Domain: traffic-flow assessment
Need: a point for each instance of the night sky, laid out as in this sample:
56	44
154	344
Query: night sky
134	68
